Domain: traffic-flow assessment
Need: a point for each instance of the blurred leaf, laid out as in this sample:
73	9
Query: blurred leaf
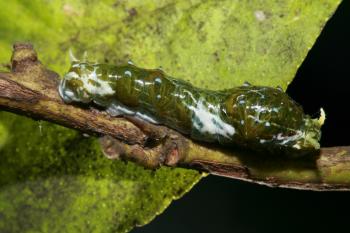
55	180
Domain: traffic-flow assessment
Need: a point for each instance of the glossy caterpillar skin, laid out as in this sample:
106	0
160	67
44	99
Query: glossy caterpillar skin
255	117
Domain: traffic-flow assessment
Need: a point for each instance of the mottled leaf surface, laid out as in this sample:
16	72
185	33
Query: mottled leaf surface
55	180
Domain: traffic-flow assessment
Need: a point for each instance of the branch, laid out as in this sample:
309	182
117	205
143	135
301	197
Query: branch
31	90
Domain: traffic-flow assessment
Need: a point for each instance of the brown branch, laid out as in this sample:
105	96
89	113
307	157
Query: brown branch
31	90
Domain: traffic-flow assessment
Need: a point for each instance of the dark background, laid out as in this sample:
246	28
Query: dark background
220	204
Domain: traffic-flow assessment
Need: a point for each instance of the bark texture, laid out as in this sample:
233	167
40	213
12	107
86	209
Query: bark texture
31	90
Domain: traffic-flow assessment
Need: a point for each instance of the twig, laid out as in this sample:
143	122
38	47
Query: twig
31	90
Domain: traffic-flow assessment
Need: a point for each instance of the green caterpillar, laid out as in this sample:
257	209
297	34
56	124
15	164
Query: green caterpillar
255	117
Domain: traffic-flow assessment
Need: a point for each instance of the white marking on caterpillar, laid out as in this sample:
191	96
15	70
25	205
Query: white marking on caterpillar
285	139
128	73
67	94
255	118
140	82
115	76
146	117
102	88
158	80
210	122
117	109
179	95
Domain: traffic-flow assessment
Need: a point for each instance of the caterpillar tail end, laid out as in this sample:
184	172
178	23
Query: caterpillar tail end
322	117
313	135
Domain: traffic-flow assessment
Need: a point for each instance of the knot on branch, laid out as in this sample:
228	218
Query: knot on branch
23	56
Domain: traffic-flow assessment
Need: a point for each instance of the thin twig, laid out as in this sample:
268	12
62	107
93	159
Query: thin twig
31	90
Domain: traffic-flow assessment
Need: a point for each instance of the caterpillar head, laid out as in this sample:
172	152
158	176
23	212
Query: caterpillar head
84	83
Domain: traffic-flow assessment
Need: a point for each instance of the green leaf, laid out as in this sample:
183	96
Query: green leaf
55	180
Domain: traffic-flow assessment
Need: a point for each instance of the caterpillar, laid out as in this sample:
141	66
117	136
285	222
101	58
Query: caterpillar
261	118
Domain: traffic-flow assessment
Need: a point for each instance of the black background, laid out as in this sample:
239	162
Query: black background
220	204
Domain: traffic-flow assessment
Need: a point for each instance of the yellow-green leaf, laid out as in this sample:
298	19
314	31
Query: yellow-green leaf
55	180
